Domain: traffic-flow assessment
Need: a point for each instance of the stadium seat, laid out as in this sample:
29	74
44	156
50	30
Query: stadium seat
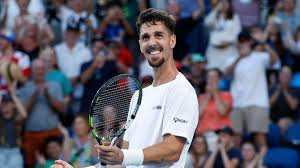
292	135
281	158
296	80
273	135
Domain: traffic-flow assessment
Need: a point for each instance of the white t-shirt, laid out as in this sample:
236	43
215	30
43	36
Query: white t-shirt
70	60
171	108
249	85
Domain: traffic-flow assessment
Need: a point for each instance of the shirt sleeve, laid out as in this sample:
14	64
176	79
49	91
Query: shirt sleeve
264	58
181	113
56	91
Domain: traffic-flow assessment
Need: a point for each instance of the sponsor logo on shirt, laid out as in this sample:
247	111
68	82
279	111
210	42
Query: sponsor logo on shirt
179	120
158	107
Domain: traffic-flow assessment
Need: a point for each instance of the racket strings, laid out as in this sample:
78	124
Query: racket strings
112	106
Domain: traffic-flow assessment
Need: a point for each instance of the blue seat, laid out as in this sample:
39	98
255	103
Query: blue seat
296	80
292	134
273	135
281	158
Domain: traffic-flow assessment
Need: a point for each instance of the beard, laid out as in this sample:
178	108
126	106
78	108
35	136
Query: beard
156	64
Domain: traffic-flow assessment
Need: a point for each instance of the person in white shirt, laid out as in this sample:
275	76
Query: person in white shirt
162	132
249	88
71	53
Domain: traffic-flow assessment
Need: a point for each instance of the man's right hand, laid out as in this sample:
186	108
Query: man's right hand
61	164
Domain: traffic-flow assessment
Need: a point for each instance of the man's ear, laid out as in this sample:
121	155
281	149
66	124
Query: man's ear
173	41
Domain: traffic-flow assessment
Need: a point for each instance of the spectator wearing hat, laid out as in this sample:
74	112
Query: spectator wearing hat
214	105
71	53
12	116
249	89
9	58
225	154
94	73
197	69
44	102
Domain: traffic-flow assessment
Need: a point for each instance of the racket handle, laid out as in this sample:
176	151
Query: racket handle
103	165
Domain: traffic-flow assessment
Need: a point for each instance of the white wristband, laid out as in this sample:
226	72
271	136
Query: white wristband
132	157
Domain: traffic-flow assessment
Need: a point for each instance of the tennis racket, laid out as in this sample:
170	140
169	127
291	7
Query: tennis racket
114	107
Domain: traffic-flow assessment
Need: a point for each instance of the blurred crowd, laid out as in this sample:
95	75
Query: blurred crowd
241	56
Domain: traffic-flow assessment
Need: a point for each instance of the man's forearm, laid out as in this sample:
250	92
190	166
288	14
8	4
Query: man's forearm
169	150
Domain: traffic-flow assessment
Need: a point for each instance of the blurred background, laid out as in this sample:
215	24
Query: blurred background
241	56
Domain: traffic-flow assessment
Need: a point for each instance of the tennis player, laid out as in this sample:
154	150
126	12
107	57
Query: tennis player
162	131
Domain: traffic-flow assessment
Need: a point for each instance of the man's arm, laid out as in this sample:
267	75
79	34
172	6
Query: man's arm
169	150
55	104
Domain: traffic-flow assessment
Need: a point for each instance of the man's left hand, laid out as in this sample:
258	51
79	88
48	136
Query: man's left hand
111	155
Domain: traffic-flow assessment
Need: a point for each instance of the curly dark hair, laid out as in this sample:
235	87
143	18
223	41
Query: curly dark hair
152	16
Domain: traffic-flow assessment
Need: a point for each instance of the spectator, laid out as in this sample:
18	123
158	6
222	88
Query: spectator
249	89
188	14
288	17
12	10
54	74
71	53
284	101
12	116
293	42
250	158
224	26
32	30
248	11
81	146
198	153
43	101
95	73
86	20
197	67
115	26
214	105
121	54
225	155
10	55
53	148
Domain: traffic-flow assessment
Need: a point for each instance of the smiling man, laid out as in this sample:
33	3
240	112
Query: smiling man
162	131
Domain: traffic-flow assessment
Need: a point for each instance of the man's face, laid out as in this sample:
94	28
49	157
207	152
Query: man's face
156	43
244	48
3	44
289	5
71	37
213	78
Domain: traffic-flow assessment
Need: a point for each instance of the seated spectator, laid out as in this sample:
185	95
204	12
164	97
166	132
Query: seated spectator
95	73
224	26
197	67
115	26
214	105
44	102
53	148
250	157
81	146
198	153
225	154
284	101
12	117
293	42
249	90
11	56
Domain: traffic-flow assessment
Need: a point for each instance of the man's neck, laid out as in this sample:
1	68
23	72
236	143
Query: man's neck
164	74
